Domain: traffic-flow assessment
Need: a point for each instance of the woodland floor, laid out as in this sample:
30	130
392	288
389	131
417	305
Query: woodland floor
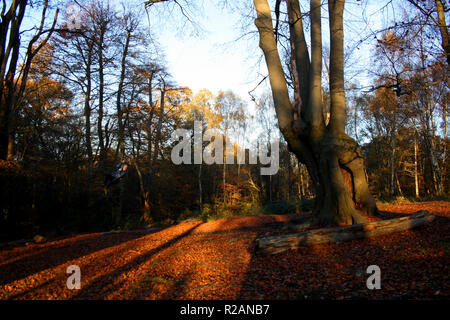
216	260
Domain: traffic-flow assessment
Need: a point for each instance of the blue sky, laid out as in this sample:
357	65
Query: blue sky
213	61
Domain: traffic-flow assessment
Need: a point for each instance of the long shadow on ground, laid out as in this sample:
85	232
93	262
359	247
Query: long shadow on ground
411	262
52	255
96	289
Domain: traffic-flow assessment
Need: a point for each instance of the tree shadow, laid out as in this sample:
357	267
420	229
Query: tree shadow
269	222
23	294
52	255
96	289
410	262
171	290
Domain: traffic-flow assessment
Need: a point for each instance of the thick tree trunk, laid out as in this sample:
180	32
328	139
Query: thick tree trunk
334	160
341	190
337	90
277	244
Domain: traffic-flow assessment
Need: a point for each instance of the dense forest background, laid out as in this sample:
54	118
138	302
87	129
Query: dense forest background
87	97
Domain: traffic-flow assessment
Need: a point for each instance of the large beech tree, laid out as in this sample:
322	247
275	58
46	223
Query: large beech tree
334	160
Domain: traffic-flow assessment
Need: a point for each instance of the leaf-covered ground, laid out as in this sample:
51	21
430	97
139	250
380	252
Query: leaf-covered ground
215	260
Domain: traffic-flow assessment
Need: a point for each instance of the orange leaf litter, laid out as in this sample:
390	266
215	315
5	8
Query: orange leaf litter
216	260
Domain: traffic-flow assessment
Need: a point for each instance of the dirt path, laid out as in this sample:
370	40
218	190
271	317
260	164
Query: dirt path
215	260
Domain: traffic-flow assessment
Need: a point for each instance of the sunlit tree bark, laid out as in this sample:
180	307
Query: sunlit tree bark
334	160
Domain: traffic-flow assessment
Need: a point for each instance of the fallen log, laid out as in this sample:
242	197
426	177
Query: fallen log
277	244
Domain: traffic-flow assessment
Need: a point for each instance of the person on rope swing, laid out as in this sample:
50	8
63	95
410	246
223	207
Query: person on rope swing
121	170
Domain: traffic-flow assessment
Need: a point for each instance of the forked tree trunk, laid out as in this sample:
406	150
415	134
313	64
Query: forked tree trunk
333	159
11	21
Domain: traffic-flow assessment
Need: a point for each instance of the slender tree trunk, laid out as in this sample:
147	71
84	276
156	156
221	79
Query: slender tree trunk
443	28
444	121
301	185
434	165
9	56
121	139
101	66
429	132
289	169
394	136
150	118
200	190
355	121
400	192
429	142
87	116
416	176
444	152
33	48
11	138
224	175
87	104
157	138
159	127
115	199
146	214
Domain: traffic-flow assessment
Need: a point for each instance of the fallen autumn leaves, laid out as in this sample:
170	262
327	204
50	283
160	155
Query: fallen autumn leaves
216	260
